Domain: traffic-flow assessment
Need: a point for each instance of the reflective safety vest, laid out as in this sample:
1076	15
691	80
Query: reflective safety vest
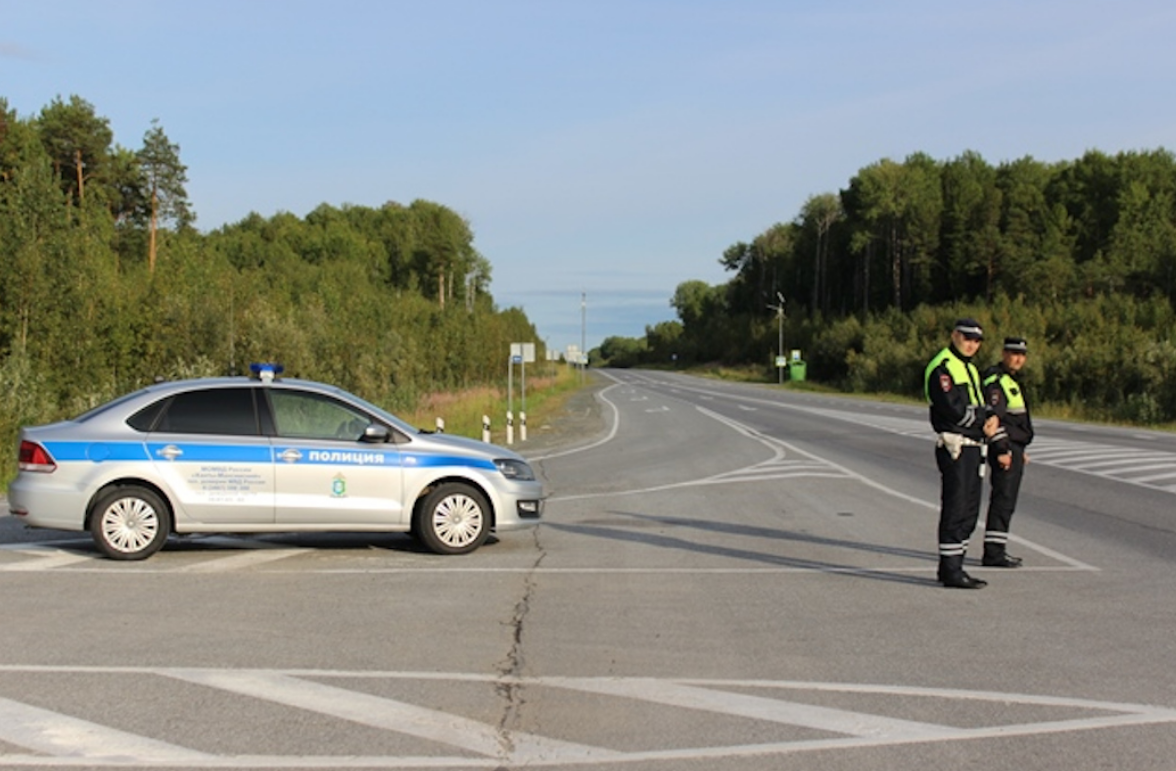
962	374
1014	396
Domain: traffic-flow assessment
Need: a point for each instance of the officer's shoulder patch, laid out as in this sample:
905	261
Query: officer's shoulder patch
945	382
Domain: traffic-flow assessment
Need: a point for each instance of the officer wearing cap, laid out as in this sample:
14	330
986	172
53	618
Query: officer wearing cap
1004	394
961	420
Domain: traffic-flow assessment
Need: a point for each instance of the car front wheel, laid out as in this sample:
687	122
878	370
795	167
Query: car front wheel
454	519
129	523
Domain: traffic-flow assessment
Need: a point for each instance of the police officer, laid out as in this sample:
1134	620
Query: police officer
1006	397
960	418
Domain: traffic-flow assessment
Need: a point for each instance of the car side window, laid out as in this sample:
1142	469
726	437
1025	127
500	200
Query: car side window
211	411
304	415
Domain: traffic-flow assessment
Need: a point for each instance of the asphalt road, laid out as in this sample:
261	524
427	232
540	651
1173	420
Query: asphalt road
727	577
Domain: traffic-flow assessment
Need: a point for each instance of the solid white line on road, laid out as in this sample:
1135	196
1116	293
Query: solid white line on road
612	432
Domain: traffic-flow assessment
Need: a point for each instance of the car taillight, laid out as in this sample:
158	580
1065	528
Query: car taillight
34	457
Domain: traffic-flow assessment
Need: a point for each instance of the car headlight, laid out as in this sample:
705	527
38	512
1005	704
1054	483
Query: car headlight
515	469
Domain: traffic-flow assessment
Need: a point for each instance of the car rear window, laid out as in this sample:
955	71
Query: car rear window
101	408
144	419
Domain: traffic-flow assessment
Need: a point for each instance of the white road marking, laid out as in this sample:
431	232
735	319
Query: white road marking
776	467
63	741
1068	455
47	556
608	437
58	735
1155	477
239	560
762	708
389	715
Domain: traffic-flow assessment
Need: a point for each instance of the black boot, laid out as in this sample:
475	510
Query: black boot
952	575
995	556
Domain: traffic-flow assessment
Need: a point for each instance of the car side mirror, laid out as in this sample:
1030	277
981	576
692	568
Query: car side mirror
375	434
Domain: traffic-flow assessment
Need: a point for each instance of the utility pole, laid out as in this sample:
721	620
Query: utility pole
583	331
780	343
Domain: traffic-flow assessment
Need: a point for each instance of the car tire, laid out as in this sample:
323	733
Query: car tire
453	519
129	523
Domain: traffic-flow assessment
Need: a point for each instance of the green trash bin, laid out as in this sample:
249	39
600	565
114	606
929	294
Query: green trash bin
796	371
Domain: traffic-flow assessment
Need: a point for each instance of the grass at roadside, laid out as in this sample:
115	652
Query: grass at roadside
462	411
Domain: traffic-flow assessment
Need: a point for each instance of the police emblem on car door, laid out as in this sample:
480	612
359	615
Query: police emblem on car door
325	471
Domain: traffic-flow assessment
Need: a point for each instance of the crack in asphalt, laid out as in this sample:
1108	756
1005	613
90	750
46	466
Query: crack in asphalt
509	686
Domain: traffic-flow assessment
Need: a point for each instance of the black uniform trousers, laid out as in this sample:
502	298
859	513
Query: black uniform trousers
1002	500
959	504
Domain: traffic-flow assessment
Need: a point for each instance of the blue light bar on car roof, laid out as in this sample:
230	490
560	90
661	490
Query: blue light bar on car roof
266	371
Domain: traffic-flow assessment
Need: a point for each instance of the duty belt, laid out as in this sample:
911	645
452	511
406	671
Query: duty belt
955	444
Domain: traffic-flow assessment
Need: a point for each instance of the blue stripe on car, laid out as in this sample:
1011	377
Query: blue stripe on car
322	456
203	453
96	452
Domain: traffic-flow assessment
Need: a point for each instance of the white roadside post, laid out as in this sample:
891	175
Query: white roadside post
509	428
486	429
440	425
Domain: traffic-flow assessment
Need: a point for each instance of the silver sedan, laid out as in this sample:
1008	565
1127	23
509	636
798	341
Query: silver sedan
259	455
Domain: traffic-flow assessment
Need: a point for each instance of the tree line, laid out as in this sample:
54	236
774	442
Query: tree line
106	285
1078	256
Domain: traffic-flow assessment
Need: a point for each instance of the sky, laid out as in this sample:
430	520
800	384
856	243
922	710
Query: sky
603	151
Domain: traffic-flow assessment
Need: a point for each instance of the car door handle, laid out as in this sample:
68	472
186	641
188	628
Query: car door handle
170	452
290	456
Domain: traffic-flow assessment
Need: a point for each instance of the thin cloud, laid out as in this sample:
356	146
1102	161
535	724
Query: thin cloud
15	51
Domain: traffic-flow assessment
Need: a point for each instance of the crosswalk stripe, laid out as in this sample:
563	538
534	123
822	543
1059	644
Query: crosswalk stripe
239	560
760	708
53	733
47	558
388	714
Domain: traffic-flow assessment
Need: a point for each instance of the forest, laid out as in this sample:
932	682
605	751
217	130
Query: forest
106	284
1077	256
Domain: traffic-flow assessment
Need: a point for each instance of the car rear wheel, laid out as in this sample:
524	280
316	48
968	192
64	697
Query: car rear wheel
129	523
454	519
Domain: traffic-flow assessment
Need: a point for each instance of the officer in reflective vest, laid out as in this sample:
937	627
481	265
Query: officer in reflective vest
963	424
1006	397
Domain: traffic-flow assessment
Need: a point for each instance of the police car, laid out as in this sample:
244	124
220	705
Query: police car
263	454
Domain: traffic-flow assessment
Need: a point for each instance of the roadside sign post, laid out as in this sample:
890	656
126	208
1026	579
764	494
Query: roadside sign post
520	353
